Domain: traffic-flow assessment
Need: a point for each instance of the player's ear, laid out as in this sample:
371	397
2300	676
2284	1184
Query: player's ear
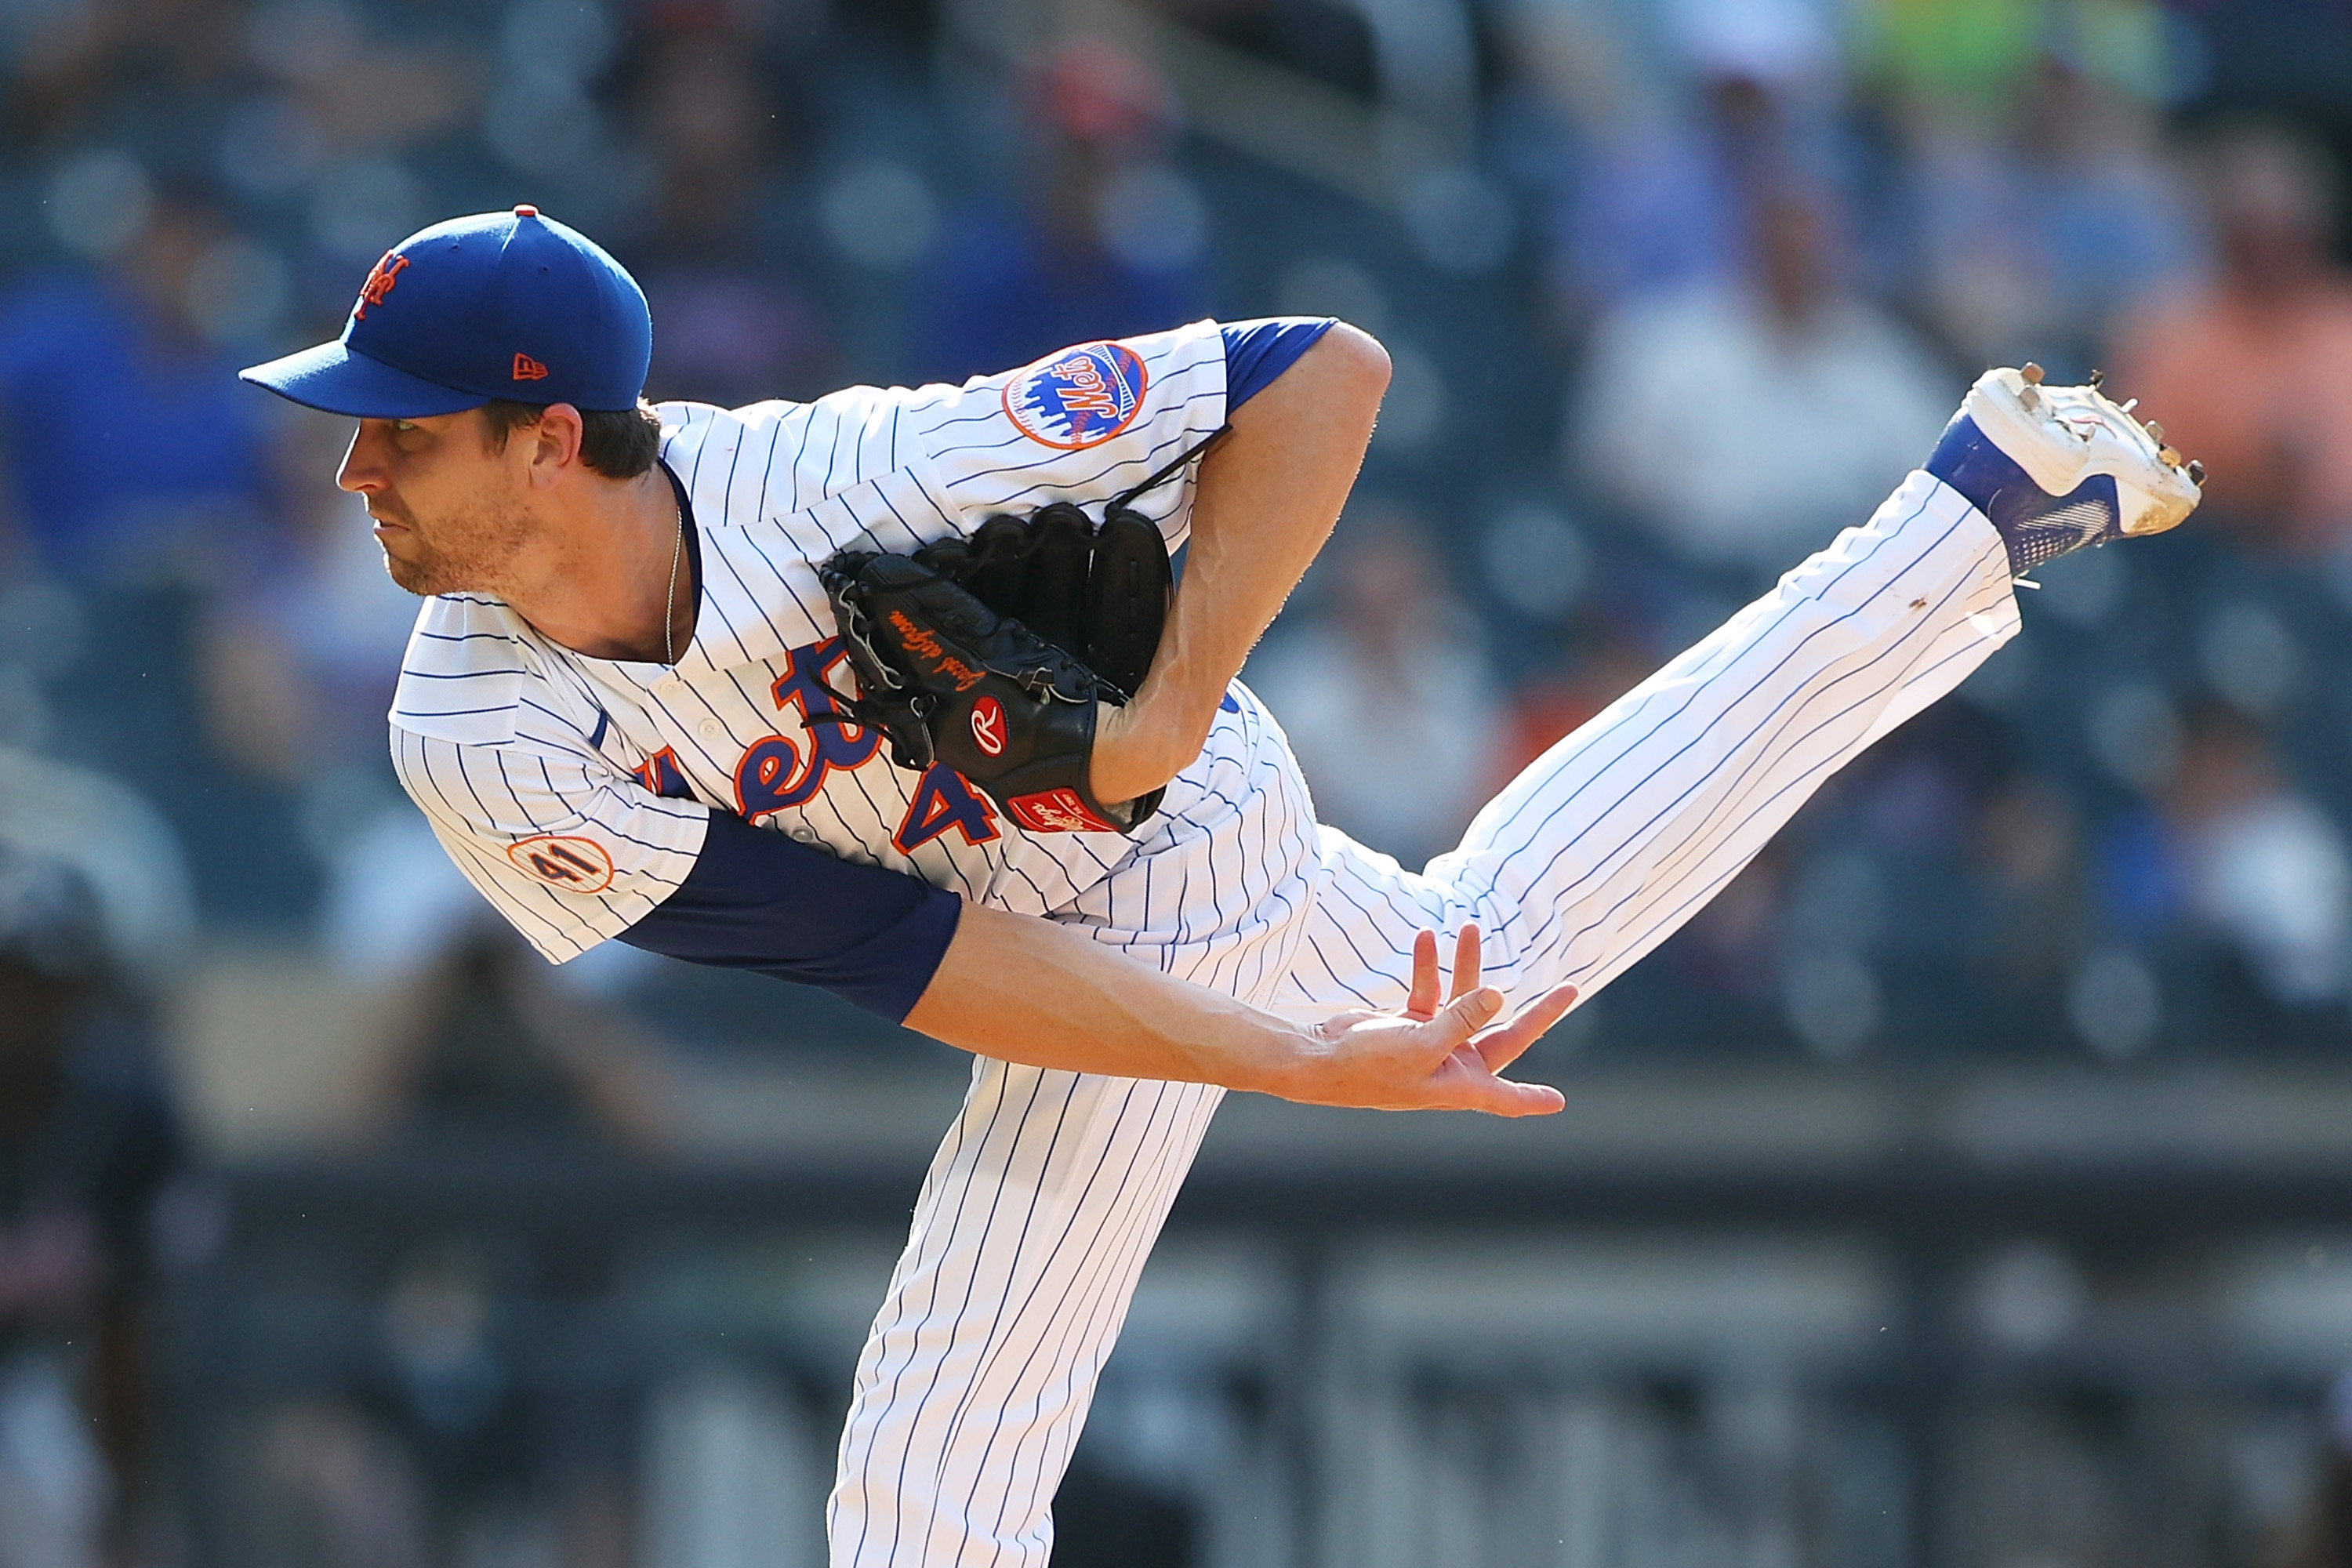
555	444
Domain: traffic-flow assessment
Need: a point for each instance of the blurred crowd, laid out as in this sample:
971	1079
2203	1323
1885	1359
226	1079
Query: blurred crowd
1677	291
1698	284
1704	281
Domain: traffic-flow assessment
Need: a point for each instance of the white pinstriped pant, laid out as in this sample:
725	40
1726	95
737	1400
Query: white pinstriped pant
1043	1201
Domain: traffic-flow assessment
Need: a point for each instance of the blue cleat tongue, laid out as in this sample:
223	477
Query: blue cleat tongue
2035	525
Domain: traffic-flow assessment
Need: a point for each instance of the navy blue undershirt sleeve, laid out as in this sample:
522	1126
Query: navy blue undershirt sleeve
757	900
1256	353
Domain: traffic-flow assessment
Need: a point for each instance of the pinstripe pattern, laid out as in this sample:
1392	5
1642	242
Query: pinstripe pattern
1611	839
1043	1201
503	737
1041	1206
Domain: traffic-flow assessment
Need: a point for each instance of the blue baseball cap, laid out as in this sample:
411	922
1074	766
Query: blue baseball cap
507	305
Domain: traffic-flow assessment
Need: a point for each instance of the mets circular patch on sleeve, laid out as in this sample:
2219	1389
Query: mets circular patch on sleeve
1079	397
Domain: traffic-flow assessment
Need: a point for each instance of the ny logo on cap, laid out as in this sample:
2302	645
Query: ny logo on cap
380	280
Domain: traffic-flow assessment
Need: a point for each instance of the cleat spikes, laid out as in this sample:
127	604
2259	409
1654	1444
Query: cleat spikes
2155	431
2057	469
2197	473
2098	378
2032	374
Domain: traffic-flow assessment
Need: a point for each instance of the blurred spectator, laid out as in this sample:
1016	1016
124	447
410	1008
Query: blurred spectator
135	456
733	329
1387	699
1656	144
2026	852
2253	374
1107	242
300	659
2239	854
87	1143
2035	228
120	845
2262	864
1746	424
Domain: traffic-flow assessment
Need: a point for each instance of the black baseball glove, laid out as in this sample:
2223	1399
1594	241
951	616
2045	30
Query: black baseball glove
992	654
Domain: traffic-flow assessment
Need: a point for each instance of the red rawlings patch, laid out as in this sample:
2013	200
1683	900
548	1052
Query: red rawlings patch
1055	811
988	726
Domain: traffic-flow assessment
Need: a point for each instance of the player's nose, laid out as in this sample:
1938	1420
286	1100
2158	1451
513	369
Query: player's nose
360	472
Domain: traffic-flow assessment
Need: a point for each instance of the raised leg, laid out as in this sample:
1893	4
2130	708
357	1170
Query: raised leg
1614	837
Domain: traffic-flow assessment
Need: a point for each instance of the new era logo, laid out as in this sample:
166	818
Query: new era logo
528	369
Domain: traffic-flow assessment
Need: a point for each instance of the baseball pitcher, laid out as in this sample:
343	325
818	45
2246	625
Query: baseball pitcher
891	693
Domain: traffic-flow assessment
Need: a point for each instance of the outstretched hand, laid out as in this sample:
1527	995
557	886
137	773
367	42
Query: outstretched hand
1428	1057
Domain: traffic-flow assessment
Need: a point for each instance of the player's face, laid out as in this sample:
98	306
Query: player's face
449	509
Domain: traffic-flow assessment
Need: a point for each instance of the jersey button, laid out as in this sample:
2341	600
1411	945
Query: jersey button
713	728
669	686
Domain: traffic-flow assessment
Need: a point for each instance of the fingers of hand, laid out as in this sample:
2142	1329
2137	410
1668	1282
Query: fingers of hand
1464	1017
1528	1099
1467	955
1421	1002
1467	1085
1500	1047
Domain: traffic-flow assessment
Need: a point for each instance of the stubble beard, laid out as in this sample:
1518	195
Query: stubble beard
471	551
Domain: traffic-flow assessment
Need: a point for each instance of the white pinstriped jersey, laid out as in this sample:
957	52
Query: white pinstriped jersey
1044	1200
574	791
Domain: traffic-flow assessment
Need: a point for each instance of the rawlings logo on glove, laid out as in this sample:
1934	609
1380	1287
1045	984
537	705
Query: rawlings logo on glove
949	679
988	726
995	654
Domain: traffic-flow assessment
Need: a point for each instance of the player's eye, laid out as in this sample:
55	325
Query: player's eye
404	425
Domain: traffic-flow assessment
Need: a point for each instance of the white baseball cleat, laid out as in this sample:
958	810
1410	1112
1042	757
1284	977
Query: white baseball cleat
2058	468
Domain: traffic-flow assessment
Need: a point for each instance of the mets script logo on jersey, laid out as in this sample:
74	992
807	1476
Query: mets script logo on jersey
380	279
1081	397
988	726
573	863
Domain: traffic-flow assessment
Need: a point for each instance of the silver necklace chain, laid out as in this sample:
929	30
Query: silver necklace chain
670	605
